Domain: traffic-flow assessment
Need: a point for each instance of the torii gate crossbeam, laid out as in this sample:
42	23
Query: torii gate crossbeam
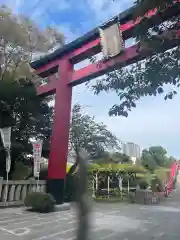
62	62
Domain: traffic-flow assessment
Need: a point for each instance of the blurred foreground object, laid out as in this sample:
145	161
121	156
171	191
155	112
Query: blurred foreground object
82	197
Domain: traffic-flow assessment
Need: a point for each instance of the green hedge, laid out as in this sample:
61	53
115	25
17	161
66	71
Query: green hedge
127	168
125	197
105	199
40	202
143	183
157	185
162	174
159	178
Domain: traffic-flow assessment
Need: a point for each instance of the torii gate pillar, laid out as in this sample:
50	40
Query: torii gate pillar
60	132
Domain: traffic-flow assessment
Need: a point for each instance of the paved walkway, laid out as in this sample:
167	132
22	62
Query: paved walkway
108	221
115	222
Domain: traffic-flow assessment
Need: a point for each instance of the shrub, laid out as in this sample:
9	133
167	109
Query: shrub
70	188
108	200
131	197
157	185
21	171
131	168
143	183
162	174
93	168
40	202
104	192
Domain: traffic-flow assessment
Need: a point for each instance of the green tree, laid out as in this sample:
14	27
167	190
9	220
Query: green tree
159	155
112	157
125	158
86	133
148	161
30	118
21	40
154	157
150	76
169	161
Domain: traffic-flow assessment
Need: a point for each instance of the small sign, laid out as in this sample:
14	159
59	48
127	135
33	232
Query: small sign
111	40
37	152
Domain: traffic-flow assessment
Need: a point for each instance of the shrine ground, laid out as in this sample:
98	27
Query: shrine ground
109	221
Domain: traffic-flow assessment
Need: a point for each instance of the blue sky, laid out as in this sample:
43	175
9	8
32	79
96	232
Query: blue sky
154	121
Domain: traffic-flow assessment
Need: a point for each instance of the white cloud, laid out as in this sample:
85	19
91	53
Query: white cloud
37	10
66	30
41	12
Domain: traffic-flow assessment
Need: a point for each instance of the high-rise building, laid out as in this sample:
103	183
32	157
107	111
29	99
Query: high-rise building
132	150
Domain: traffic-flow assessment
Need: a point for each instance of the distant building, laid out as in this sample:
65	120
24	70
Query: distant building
132	150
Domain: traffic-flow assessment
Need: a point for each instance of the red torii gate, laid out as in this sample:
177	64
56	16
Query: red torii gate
61	62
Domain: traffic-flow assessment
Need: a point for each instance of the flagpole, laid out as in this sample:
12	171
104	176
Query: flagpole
6	140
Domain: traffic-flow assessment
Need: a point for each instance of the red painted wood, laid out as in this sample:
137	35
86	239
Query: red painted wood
47	67
124	27
47	89
94	43
127	26
88	47
91	71
60	133
98	69
149	14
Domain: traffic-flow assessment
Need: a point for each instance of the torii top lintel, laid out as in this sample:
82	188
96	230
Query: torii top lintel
89	45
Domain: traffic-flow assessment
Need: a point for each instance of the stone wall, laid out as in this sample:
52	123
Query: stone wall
148	197
14	192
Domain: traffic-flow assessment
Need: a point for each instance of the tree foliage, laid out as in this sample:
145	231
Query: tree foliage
112	157
29	118
141	7
148	77
21	40
86	133
126	168
155	157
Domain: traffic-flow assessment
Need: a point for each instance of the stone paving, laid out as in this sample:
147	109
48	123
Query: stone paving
108	221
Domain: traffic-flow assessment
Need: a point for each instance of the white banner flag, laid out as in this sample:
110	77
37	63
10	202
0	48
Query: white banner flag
6	136
37	152
6	139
